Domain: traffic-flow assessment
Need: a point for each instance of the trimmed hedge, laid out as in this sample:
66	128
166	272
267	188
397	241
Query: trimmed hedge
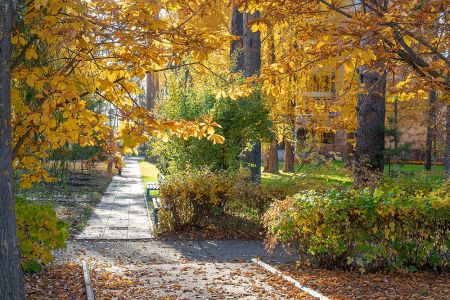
400	224
197	198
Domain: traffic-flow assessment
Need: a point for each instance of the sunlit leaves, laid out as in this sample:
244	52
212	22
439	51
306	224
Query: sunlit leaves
73	55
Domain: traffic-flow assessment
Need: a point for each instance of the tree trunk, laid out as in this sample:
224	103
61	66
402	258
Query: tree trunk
288	165
272	158
11	280
151	91
396	138
431	123
252	66
252	46
370	133
348	153
265	156
237	29
447	144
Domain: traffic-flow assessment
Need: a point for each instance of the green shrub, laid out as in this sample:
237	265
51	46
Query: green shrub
400	224
39	232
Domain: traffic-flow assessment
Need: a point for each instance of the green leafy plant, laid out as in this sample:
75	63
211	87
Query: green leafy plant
243	121
39	232
400	224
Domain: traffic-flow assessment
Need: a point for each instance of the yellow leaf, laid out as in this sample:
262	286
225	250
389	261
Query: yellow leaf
216	139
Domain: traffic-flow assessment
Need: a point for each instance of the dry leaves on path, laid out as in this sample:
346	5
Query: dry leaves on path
62	282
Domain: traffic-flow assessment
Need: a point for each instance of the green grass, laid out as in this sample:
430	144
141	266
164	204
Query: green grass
335	173
149	173
332	174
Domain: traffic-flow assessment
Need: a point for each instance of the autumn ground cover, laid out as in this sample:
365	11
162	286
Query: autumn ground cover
337	284
75	196
227	83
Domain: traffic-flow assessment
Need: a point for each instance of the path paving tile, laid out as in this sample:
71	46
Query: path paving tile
122	213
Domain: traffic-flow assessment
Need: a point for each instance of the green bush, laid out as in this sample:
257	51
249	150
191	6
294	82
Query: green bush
39	232
400	224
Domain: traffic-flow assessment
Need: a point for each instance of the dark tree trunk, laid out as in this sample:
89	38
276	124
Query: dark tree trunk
151	91
252	66
252	46
370	133
272	158
431	124
11	281
237	29
447	144
288	165
265	157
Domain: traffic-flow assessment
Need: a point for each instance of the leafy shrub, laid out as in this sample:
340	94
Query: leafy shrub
400	224
191	196
196	198
39	232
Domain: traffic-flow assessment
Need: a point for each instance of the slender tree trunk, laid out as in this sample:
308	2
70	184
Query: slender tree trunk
252	66
151	91
447	144
272	159
396	138
288	165
237	29
265	157
370	134
431	123
11	280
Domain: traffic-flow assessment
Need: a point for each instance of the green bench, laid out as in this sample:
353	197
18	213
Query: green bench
155	186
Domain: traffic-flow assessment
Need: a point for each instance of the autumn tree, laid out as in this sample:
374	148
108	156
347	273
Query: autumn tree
364	42
66	55
11	282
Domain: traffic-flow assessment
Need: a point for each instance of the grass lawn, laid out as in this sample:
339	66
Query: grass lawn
149	173
327	175
337	174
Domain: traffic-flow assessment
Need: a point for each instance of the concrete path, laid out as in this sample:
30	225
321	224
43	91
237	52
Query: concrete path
180	269
122	214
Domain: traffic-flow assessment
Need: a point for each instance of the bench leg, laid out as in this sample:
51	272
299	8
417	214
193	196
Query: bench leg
155	216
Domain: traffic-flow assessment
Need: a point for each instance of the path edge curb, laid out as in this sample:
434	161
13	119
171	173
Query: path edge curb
87	281
297	284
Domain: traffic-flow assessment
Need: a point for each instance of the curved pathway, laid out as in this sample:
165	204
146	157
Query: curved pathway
122	214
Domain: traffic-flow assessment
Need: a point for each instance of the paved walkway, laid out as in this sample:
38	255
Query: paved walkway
180	269
122	214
